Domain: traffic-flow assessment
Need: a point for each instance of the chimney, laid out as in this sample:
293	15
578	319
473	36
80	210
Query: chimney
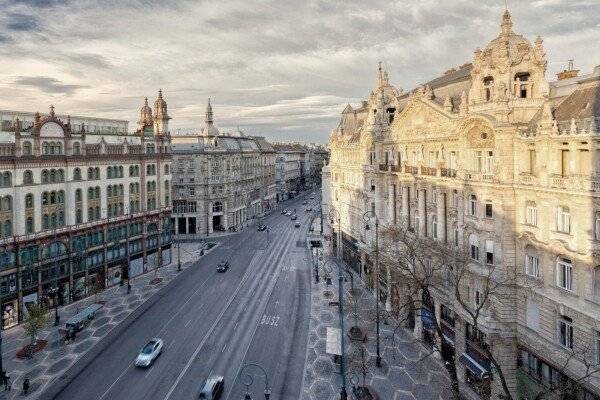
570	72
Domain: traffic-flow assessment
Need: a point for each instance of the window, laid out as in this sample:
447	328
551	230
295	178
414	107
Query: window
563	220
29	201
533	315
597	340
532	263
456	235
27	177
597	282
565	332
76	148
434	227
488	84
27	148
488	209
564	274
77	174
531	214
473	205
597	226
489	252
474	247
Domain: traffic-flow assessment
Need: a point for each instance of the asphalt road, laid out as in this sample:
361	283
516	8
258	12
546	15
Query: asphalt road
213	323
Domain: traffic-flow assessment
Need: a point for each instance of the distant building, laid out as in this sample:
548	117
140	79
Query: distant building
221	180
298	167
83	204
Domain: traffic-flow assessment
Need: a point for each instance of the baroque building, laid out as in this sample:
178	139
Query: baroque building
220	180
495	158
84	205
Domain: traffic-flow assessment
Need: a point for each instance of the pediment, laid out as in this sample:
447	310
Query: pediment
422	119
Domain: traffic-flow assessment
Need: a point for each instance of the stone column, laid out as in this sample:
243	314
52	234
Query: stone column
441	217
422	212
405	203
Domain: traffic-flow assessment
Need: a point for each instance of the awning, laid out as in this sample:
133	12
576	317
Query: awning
473	366
334	342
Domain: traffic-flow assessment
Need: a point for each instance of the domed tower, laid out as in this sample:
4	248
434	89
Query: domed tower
161	117
209	128
510	74
146	119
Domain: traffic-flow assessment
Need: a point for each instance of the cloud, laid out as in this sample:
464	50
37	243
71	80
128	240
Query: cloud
278	68
47	85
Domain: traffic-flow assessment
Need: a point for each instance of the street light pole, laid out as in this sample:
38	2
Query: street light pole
367	218
343	394
249	380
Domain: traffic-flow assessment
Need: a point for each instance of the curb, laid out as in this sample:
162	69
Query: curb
59	383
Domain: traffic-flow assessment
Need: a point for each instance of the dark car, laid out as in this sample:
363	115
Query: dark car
309	209
294	217
212	388
223	266
297	224
261	227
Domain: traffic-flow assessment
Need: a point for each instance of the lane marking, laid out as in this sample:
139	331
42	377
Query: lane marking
224	347
187	323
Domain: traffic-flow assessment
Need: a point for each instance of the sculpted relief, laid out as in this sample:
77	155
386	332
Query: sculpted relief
479	135
421	121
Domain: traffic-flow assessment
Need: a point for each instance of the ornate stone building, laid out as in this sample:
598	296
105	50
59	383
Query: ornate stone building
493	157
298	167
220	180
84	204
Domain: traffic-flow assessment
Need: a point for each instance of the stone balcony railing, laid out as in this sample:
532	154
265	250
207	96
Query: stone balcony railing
448	172
409	169
429	171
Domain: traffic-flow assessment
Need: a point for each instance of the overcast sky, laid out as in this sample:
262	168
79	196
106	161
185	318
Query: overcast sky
279	68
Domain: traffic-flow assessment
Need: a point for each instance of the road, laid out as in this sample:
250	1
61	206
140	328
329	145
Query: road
213	323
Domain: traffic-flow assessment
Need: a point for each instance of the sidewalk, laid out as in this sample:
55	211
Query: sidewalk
407	371
57	357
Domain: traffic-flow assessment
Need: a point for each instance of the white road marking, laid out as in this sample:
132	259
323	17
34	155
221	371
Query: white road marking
224	347
236	325
187	323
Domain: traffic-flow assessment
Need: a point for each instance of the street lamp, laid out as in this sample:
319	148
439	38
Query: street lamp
2	255
335	215
54	292
367	216
249	380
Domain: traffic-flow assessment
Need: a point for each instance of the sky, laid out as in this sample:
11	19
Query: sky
275	68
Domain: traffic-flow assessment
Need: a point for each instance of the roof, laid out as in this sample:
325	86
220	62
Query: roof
582	103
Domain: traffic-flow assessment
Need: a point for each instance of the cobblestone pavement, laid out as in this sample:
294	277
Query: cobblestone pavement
407	370
58	357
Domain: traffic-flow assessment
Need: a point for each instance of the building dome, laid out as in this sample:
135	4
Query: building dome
160	105
508	45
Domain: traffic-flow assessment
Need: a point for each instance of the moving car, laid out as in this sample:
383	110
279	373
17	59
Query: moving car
284	212
297	224
212	388
294	217
309	209
223	266
261	227
149	353
312	197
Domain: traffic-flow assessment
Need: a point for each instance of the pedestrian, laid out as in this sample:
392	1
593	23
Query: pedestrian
26	386
5	380
128	287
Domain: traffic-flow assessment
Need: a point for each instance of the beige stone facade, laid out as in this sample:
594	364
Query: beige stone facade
493	157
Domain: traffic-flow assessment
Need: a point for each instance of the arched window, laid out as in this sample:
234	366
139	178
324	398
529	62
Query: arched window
6	179
61	175
78	196
97	192
52	175
78	216
45	221
45	199
76	148
109	191
61	197
488	84
522	79
6	203
45	148
7	229
29	200
90	193
28	177
434	227
45	176
97	173
52	197
473	205
26	148
120	171
121	190
166	185
217	207
474	246
150	149
131	170
166	169
77	174
90	173
109	172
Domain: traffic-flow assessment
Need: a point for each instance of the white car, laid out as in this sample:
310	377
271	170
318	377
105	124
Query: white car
149	353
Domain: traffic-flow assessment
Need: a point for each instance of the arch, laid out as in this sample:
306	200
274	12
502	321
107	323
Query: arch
6	179
45	176
76	148
52	175
61	175
90	173
27	148
78	195
28	177
29	200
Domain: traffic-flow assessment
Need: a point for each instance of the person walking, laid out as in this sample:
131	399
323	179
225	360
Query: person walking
5	380
26	386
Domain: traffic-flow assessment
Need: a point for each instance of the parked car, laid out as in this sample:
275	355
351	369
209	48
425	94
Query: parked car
261	227
223	266
294	217
309	209
297	224
288	213
312	197
212	388
284	212
149	353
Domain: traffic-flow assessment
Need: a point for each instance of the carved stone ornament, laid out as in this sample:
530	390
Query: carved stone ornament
480	135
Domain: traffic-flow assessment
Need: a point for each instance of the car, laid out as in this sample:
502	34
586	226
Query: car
288	213
223	266
283	212
294	217
261	227
304	202
212	388
149	353
297	224
309	209
312	197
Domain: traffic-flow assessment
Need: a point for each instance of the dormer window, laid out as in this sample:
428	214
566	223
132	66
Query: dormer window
522	84
488	83
391	112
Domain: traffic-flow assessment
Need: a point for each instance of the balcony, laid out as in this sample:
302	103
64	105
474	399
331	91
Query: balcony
383	167
448	172
396	168
409	169
429	171
527	179
559	181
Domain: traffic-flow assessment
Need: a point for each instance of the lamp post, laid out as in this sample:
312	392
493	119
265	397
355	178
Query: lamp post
179	251
2	255
333	215
249	380
367	217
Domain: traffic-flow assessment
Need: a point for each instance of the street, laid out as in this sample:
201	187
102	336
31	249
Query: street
214	323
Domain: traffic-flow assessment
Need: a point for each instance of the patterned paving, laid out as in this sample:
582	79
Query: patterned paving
407	372
58	357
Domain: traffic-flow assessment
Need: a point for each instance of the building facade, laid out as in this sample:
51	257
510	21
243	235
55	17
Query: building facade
221	180
84	205
494	158
298	167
